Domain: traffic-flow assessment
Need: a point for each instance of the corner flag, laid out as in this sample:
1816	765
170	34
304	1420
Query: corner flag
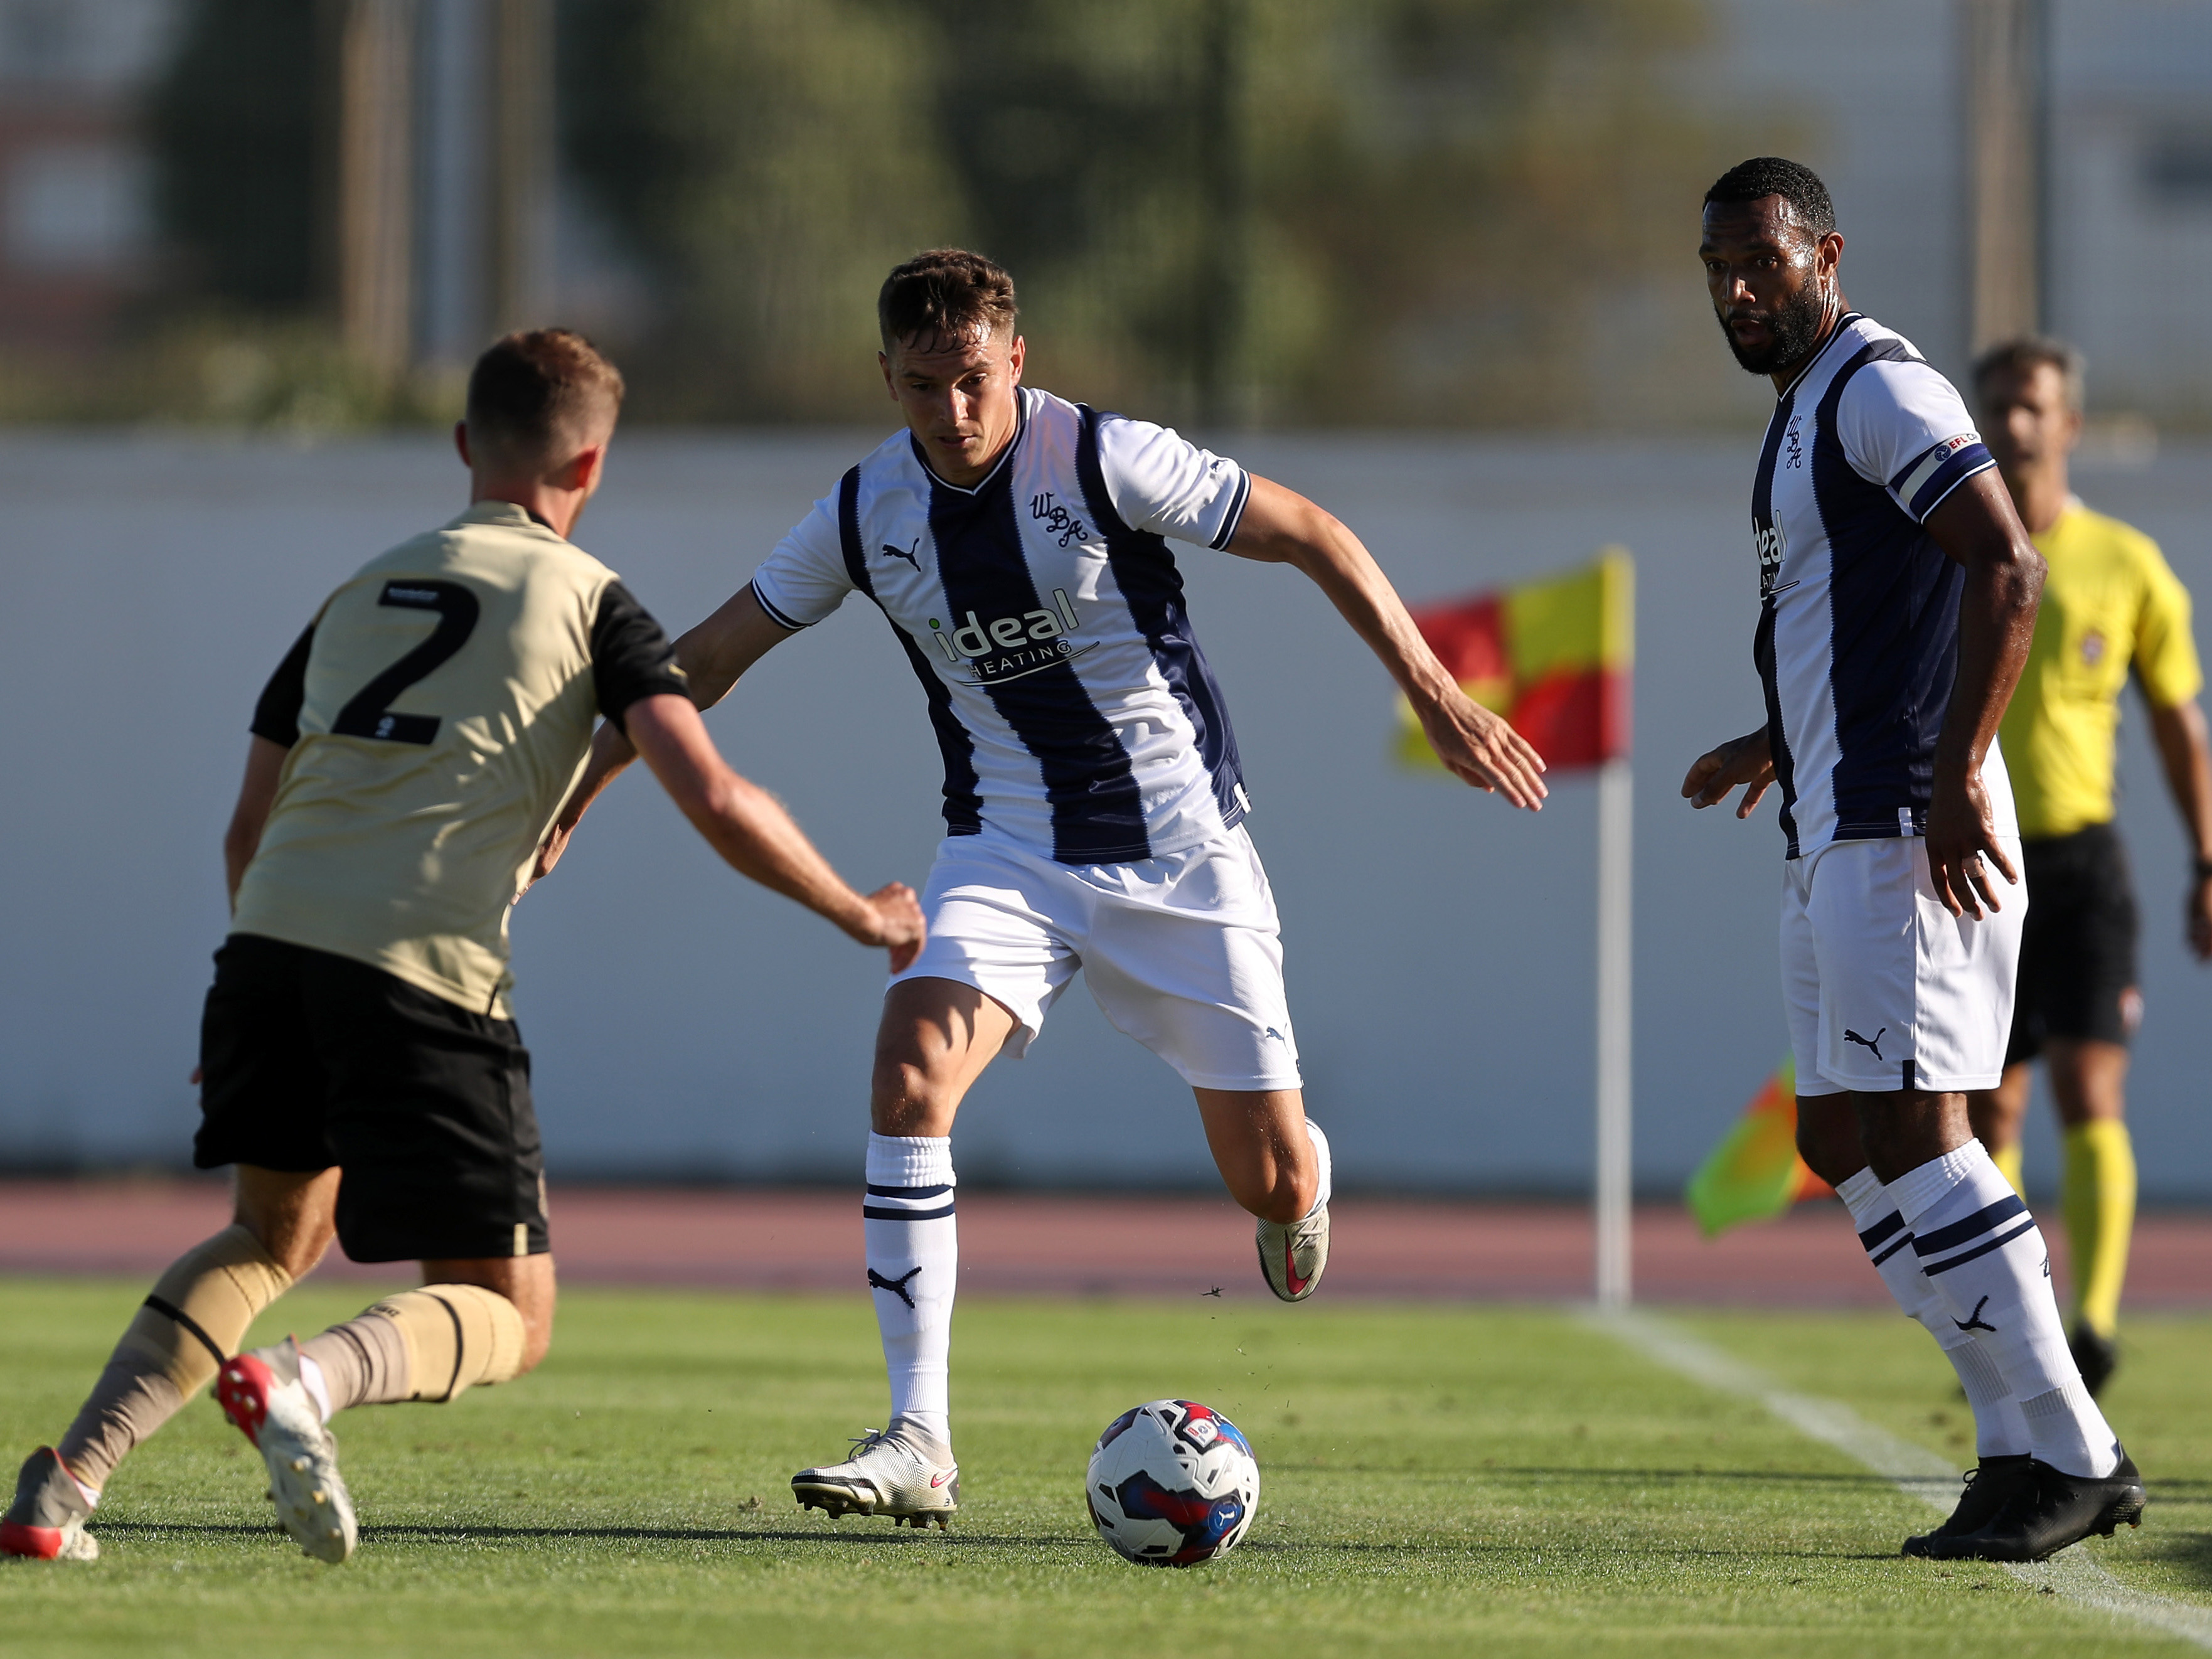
1755	1172
1555	657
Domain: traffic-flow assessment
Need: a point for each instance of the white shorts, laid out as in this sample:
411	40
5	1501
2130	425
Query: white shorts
1183	953
1885	989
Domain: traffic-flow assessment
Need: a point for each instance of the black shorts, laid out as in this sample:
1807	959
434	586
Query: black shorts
310	1060
2077	949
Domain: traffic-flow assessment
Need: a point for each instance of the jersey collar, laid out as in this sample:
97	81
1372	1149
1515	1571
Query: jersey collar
505	513
1021	430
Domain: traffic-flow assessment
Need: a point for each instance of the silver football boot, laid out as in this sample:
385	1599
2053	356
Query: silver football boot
891	1471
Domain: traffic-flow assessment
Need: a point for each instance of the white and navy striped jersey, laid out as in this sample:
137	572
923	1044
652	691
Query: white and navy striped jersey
1043	614
1858	624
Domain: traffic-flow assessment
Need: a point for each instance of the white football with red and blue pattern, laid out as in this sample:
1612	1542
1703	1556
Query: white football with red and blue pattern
1172	1483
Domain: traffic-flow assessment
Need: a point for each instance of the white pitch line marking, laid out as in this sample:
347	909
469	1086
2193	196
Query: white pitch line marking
1915	1469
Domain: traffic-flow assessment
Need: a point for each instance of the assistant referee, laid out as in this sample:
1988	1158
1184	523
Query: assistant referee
2111	605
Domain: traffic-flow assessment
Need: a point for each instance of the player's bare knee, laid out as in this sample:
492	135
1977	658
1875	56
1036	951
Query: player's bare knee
1828	1139
905	1099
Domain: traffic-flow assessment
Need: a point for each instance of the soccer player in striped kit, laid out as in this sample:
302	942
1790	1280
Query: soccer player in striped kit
1094	801
1898	594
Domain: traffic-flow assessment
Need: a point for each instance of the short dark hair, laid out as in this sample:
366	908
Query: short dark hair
2028	353
536	395
1774	175
946	291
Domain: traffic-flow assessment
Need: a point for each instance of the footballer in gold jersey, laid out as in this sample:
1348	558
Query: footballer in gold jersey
2112	610
407	760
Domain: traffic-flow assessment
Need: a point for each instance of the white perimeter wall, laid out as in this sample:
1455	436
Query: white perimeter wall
685	1024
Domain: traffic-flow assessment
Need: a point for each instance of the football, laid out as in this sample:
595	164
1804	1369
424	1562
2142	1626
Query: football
1172	1484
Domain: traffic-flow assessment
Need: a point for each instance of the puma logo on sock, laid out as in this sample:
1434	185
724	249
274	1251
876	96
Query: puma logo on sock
897	1286
1971	1322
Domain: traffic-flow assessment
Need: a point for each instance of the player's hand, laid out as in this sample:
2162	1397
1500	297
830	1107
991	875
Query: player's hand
1746	760
892	917
548	854
1480	747
2198	911
1961	833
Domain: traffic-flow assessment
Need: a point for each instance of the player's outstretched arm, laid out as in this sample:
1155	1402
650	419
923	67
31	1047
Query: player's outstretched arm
714	656
2186	760
256	793
1747	760
751	829
1280	526
1977	526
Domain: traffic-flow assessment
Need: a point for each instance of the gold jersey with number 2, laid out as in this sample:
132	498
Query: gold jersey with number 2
2110	603
437	713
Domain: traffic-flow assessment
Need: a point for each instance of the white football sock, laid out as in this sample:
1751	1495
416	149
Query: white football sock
319	1389
913	1260
1982	1250
1323	1188
1999	1429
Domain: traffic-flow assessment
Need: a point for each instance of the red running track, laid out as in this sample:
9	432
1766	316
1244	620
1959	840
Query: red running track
1092	1244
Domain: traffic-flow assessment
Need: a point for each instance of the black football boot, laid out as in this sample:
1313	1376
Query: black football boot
2052	1509
1990	1486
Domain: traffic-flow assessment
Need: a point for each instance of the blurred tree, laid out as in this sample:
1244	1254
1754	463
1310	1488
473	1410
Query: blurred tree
1394	212
772	159
233	125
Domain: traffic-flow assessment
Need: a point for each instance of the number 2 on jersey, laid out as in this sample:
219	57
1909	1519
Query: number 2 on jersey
370	714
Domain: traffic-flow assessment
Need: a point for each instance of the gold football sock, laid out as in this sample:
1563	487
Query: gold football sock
430	1344
2100	1200
194	1321
2008	1163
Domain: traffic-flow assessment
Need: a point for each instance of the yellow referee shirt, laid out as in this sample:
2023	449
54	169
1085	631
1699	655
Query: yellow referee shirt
2110	603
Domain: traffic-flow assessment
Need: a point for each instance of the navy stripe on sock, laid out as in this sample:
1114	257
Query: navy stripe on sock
1882	1230
1982	1221
1893	1249
874	1212
1983	1248
875	1191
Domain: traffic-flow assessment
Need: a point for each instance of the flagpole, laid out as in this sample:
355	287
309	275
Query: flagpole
1615	1136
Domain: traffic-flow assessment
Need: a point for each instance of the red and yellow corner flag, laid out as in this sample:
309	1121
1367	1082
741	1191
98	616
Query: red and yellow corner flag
1555	657
1755	1172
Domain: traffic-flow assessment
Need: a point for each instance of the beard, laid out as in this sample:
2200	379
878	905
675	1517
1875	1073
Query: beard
1792	327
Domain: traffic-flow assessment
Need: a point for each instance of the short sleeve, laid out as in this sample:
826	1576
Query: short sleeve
805	579
277	715
1905	428
2166	653
1161	481
631	657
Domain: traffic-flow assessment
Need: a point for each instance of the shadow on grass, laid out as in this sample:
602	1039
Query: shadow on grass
154	1531
2187	1554
464	1533
1775	1477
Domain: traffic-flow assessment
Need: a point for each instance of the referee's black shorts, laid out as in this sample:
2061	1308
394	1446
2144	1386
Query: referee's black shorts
310	1060
2077	948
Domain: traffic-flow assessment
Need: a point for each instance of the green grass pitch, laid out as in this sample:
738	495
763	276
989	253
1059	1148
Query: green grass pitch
1435	1480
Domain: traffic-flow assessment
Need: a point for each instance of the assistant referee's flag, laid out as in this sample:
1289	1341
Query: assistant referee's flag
1755	1172
1555	656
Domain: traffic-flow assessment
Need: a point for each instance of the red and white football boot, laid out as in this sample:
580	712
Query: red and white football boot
46	1520
262	1393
